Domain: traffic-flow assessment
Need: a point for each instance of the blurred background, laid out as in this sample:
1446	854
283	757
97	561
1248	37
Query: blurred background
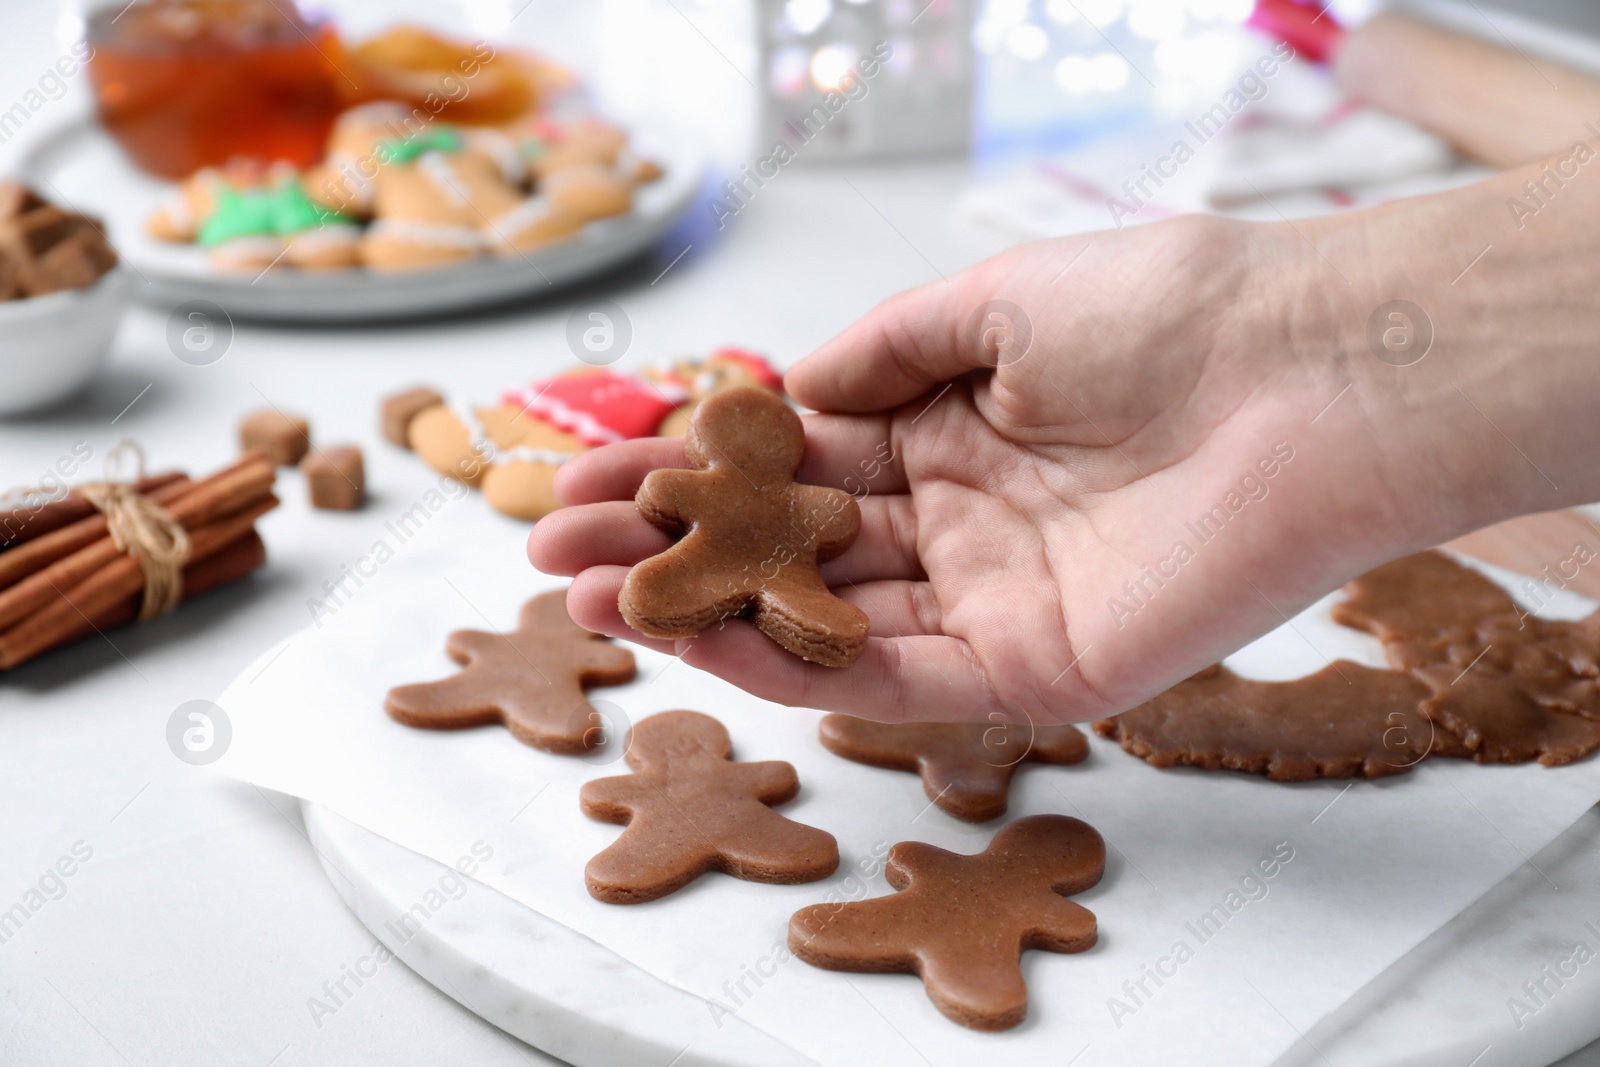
1063	112
327	225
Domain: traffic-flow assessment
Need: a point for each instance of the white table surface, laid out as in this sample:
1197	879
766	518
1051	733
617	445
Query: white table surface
202	925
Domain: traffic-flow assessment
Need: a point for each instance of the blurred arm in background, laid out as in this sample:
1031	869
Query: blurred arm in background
1494	102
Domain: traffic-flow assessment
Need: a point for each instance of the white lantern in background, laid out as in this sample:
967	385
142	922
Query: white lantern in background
881	77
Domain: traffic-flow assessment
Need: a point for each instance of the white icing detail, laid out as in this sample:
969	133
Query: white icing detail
580	424
337	235
436	167
503	150
477	437
492	453
377	109
250	252
179	216
584	425
524	454
673	391
534	209
427	233
362	189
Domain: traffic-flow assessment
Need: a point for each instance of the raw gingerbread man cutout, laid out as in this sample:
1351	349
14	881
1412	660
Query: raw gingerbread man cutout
752	536
962	922
966	768
531	679
689	809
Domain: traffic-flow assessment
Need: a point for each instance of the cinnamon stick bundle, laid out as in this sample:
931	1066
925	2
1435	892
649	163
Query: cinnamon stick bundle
49	571
20	524
235	561
62	585
41	551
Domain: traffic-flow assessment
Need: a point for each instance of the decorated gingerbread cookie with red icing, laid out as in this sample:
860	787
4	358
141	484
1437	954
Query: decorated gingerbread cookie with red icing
514	449
697	379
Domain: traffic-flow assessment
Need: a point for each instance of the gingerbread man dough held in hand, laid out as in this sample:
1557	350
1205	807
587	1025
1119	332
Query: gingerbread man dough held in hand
689	809
753	537
530	679
963	922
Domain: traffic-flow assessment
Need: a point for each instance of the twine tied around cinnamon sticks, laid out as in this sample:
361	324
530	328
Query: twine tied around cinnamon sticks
68	574
144	530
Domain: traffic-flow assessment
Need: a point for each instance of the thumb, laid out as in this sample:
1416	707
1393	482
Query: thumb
906	345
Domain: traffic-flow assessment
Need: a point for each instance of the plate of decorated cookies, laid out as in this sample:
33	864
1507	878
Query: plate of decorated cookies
403	216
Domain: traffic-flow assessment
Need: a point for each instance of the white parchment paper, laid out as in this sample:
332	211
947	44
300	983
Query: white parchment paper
1234	914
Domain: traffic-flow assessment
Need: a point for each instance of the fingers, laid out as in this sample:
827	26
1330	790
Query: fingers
910	679
908	344
896	609
592	603
591	535
853	453
885	548
915	678
613	533
615	471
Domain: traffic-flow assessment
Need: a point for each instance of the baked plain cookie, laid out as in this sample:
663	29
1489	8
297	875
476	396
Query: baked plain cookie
345	180
531	225
588	191
448	442
431	202
399	409
334	246
549	145
521	482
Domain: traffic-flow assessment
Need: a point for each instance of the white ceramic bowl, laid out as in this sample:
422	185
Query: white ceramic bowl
50	346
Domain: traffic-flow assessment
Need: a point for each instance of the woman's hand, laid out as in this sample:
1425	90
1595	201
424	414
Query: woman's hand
1165	442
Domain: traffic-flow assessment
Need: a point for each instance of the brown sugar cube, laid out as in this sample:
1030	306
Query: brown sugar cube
336	477
10	277
284	438
35	232
76	262
15	198
49	249
400	409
